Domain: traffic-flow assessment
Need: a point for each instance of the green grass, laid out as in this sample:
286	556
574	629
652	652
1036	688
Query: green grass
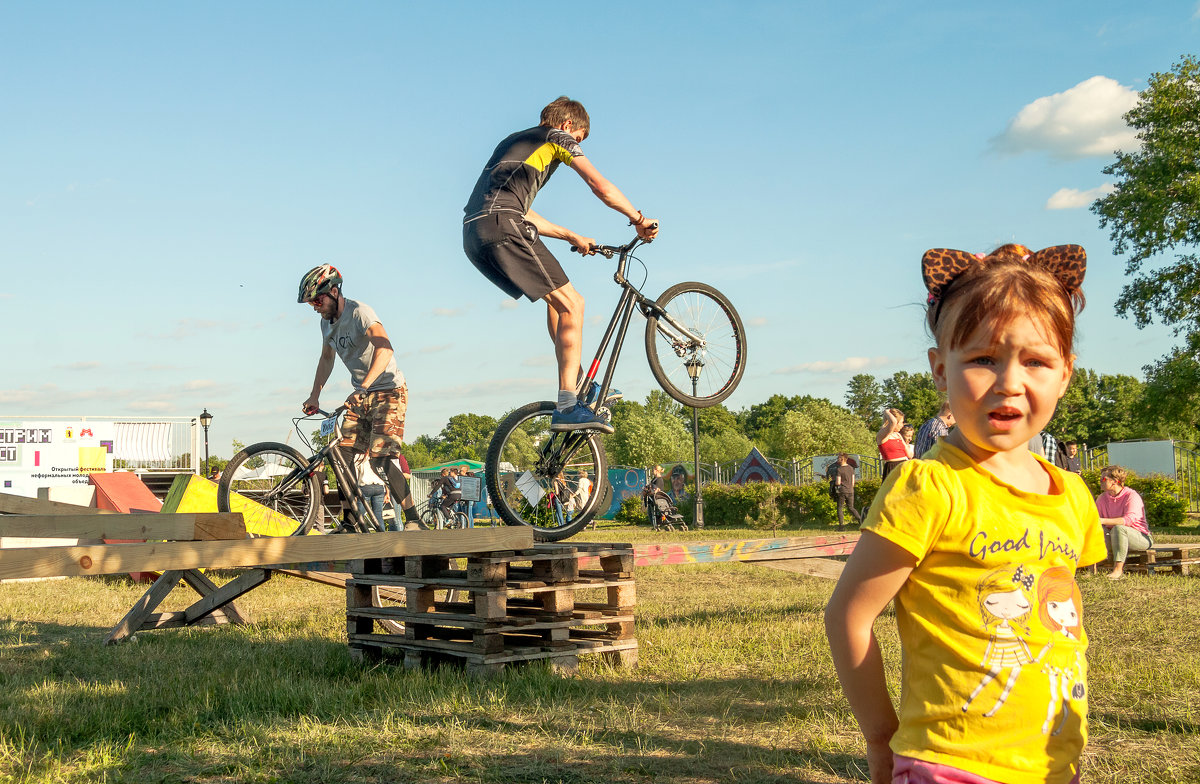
735	684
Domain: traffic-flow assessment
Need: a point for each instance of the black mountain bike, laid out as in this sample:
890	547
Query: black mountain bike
280	478
697	351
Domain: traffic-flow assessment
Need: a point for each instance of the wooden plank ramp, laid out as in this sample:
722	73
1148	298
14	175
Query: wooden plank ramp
811	555
266	551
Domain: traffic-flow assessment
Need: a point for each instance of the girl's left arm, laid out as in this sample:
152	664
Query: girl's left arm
874	574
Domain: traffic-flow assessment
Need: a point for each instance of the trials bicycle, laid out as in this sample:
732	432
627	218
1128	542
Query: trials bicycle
696	347
280	478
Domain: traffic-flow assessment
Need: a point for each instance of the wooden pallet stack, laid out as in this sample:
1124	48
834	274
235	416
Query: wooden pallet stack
488	610
1175	558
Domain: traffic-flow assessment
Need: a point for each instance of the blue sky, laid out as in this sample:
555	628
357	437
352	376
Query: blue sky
170	170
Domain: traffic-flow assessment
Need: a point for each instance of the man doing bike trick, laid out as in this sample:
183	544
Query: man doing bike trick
375	410
501	238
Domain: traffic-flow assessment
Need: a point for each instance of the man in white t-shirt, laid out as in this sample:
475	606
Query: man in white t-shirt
375	410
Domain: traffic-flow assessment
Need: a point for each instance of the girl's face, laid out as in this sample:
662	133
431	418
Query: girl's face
1002	386
1007	605
1065	614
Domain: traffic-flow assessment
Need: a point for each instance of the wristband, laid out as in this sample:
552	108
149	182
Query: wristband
641	219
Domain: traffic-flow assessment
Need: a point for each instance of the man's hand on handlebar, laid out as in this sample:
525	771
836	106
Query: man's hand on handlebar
581	244
647	230
310	406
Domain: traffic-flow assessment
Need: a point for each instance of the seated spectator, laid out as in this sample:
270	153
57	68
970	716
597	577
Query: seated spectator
1123	515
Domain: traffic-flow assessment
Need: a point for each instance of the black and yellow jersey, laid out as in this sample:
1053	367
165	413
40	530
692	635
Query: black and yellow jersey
518	168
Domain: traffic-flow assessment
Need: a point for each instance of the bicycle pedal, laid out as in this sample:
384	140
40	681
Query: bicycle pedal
604	414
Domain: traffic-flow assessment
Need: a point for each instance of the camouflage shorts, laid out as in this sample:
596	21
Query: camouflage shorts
376	424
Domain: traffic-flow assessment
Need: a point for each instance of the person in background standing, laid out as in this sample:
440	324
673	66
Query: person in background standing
843	481
1068	459
892	446
933	428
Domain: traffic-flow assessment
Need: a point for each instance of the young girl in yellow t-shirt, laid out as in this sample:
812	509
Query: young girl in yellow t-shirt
975	543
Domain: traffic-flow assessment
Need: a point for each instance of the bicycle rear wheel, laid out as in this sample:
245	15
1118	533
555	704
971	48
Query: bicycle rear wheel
541	469
717	350
275	476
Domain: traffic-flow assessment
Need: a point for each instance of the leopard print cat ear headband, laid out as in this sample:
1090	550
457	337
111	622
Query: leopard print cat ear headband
940	266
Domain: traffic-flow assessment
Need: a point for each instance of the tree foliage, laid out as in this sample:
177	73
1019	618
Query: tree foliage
1156	205
1099	408
647	434
866	399
915	394
1171	396
818	427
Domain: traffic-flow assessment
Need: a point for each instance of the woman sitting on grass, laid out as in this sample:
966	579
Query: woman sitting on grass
1123	515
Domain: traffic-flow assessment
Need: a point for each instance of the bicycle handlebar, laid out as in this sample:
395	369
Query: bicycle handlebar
608	251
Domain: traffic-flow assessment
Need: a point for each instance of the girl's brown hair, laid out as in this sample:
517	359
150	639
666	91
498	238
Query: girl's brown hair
1001	287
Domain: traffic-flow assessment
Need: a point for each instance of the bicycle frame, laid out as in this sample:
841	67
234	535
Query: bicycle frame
347	479
683	339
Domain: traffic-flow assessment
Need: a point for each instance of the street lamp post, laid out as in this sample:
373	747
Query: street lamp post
694	366
206	420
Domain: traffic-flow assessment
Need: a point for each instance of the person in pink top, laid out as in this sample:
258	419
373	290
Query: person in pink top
1123	515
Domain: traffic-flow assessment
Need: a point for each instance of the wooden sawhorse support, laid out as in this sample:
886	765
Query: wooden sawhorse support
215	606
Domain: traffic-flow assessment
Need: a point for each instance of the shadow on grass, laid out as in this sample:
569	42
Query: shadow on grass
226	704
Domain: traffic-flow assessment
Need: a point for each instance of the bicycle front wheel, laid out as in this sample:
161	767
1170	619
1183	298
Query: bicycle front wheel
532	471
275	476
696	344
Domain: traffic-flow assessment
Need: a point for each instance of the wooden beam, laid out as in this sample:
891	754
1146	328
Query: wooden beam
20	504
125	526
814	567
736	550
265	551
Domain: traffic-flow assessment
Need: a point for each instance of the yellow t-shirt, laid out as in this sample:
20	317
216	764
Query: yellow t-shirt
993	674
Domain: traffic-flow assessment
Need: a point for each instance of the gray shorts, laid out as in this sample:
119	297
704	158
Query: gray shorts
507	250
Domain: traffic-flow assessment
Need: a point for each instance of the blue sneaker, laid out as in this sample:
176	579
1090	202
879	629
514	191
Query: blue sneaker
578	418
613	396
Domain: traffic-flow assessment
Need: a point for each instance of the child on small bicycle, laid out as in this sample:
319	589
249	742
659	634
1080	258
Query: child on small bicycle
501	237
975	543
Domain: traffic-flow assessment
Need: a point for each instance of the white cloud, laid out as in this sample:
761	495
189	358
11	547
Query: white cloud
850	364
510	304
3	295
79	366
153	406
1072	199
756	322
436	349
1084	121
546	360
1196	15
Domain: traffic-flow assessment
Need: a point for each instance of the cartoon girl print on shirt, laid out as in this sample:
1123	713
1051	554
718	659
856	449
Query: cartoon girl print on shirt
1005	605
1060	608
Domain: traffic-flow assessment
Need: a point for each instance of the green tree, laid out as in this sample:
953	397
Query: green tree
1171	397
1156	205
466	435
646	435
418	454
818	427
913	393
763	417
1097	409
725	446
865	397
717	419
